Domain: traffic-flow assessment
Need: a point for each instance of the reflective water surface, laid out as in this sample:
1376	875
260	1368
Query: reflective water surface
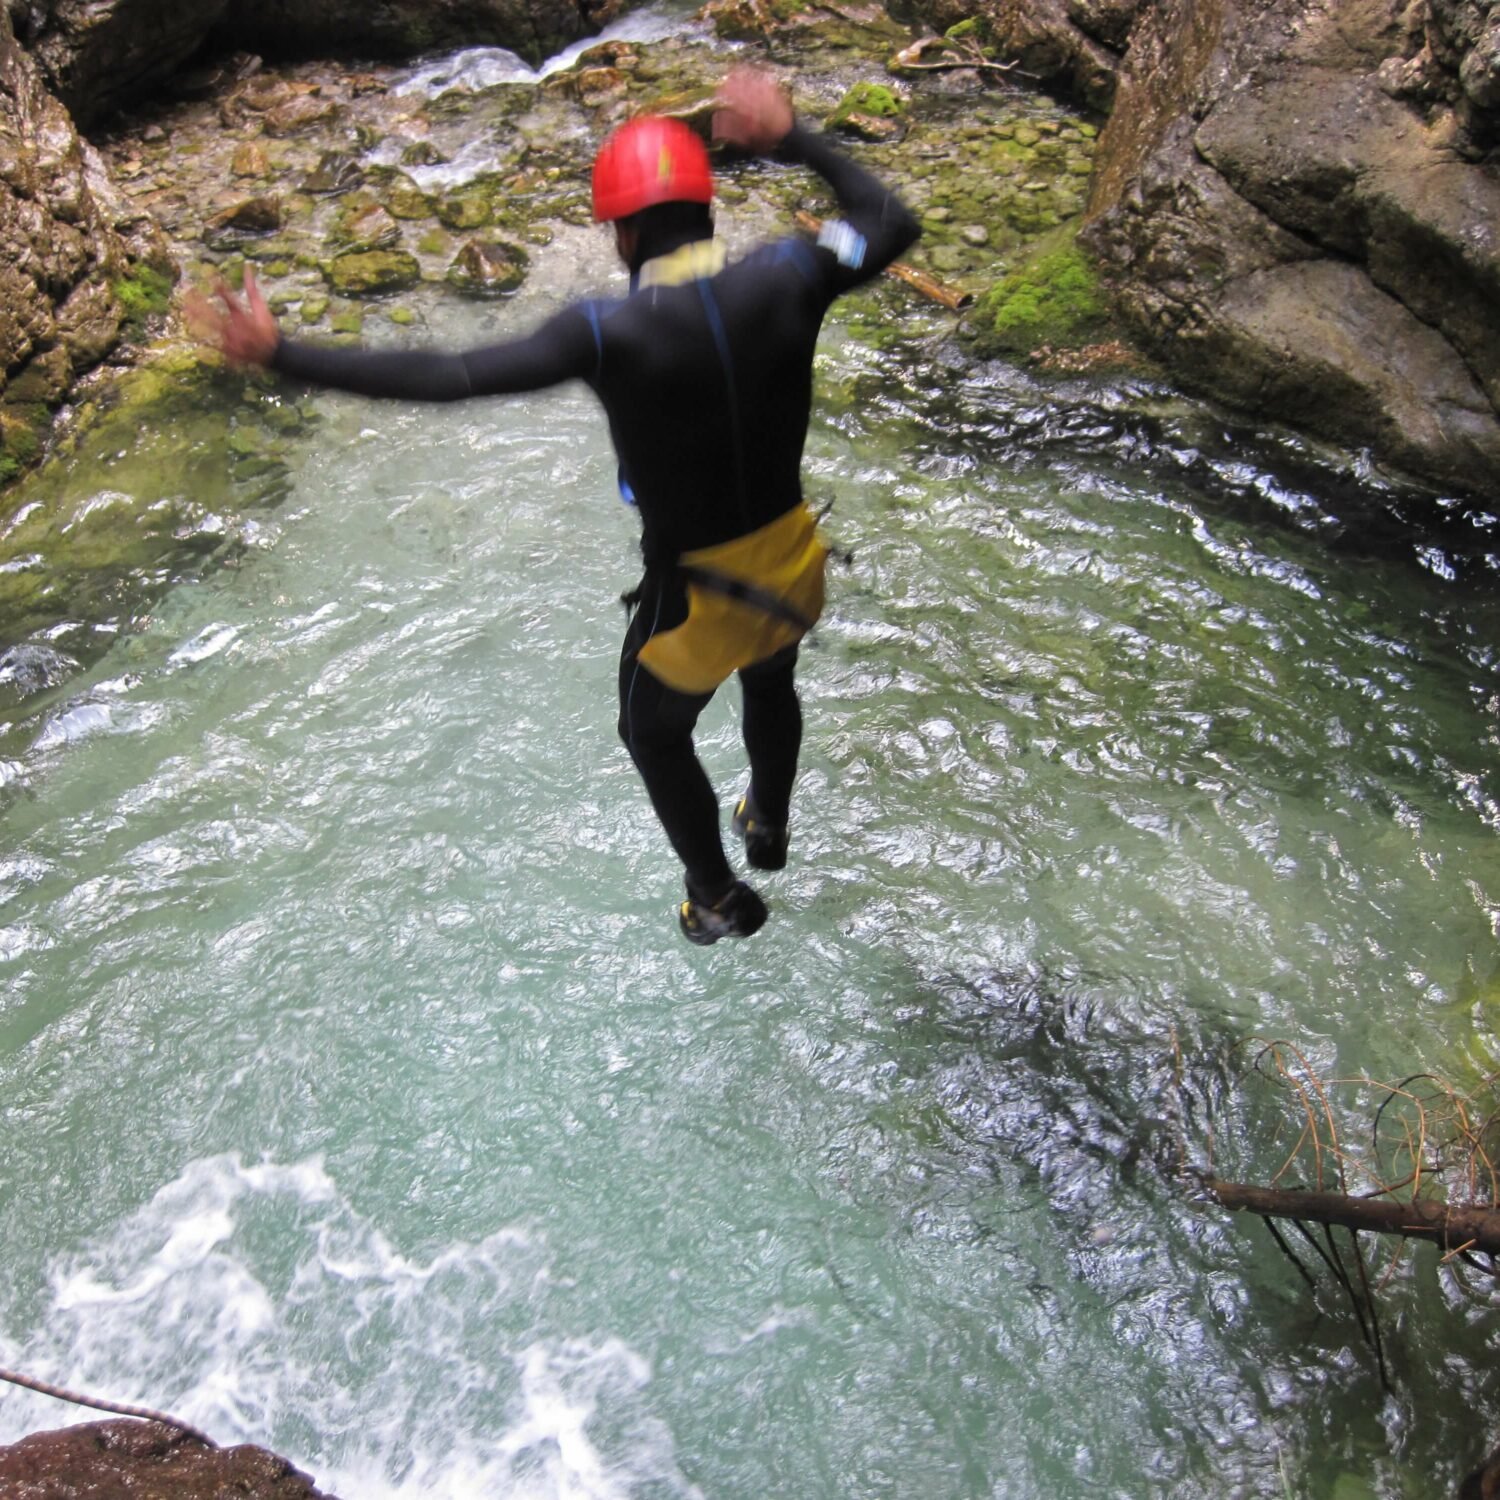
362	1100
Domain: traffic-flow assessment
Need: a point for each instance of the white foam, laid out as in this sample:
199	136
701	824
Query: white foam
477	68
255	1301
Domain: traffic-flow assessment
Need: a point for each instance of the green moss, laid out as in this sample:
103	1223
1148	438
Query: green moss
871	99
142	294
1054	299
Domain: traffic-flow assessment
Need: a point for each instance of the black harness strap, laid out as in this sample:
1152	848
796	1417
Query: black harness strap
748	593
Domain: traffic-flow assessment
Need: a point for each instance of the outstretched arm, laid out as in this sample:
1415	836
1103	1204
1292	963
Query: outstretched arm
754	114
243	330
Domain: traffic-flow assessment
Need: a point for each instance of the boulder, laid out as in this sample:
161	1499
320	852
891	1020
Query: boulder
1285	234
97	55
67	242
124	1457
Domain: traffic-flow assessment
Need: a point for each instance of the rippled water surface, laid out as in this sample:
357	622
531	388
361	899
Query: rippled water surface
361	1099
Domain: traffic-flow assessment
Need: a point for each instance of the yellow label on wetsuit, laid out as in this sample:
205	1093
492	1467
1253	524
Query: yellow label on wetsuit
722	634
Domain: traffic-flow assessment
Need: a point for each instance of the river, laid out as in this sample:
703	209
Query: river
362	1100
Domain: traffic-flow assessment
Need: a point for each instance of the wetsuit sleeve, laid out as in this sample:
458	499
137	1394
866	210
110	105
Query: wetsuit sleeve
882	224
565	347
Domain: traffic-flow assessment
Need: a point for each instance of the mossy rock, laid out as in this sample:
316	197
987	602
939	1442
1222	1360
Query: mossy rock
875	100
464	211
694	107
405	200
1055	299
373	273
365	225
422	154
489	268
336	172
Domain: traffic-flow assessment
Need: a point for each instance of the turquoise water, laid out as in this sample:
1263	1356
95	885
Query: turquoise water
362	1100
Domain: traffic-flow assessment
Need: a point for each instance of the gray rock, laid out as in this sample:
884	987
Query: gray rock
1285	234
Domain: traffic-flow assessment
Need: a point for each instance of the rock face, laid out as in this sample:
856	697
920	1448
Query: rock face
1075	46
402	28
97	55
67	241
123	1459
1292	197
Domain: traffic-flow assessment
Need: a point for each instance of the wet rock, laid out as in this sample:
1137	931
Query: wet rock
336	172
869	112
120	1458
98	55
266	91
488	268
250	160
1072	45
60	249
693	107
44	380
89	322
373	273
465	210
263	215
405	200
743	20
422	154
366	226
1257	163
299	114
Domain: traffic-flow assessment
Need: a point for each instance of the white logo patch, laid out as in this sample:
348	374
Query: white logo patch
846	242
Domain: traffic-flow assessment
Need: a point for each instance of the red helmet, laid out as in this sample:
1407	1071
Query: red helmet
650	160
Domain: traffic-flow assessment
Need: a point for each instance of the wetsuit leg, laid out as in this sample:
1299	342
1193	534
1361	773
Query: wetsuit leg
773	733
656	724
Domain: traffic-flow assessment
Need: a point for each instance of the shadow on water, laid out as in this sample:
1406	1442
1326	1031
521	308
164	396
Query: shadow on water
1253	471
1069	1112
168	477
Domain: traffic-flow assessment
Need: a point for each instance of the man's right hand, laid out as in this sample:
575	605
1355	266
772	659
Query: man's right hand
753	112
244	332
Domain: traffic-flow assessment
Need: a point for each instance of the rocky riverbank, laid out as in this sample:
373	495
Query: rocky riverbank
360	192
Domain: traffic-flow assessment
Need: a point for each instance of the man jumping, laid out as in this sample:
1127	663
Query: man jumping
704	371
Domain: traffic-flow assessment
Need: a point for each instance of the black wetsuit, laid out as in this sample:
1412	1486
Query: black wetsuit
707	386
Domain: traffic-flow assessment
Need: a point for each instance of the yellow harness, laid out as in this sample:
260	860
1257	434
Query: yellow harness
746	600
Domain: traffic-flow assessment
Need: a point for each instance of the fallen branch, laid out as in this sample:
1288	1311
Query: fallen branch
1456	1228
929	286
